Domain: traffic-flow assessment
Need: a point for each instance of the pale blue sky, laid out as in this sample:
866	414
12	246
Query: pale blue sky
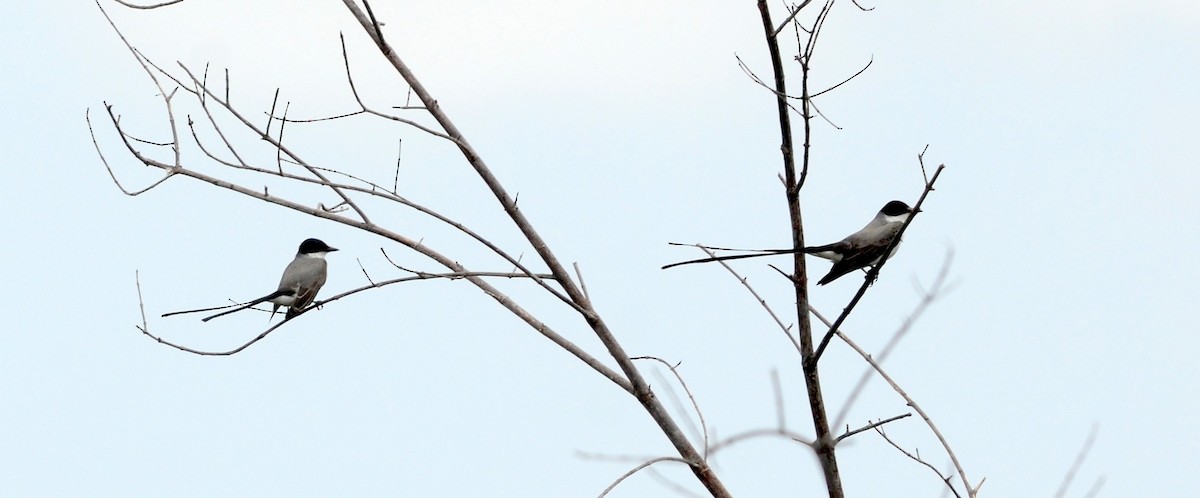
1069	133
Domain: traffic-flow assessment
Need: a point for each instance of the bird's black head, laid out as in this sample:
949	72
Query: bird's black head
895	208
313	246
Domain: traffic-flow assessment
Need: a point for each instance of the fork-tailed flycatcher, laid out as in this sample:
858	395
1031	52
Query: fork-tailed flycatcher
301	280
859	250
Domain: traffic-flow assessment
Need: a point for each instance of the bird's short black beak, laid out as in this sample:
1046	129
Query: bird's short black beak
331	249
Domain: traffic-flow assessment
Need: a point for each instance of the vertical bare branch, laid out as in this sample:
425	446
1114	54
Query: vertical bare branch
824	443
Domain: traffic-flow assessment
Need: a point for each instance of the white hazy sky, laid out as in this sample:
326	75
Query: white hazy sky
1069	129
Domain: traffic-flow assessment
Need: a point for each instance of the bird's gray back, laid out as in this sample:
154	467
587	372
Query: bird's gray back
876	233
303	271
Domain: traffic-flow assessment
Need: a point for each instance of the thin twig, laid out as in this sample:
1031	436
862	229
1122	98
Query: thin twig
396	178
860	7
363	106
759	433
762	302
677	404
147	7
383	44
916	458
377	191
234	351
1095	489
582	284
364	271
872	425
847	80
962	474
270	115
670	484
691	397
137	277
107	167
285	150
315	305
785	22
1083	453
777	392
635	470
934	292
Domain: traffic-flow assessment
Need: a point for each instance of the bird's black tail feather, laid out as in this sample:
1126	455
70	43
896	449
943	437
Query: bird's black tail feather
268	297
771	252
816	249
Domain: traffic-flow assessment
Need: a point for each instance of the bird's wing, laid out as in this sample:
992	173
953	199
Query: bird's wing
304	277
306	296
861	249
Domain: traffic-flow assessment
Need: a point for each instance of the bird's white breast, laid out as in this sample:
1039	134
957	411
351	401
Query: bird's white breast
830	255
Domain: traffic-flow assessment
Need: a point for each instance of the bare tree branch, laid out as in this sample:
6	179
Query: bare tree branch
760	433
145	329
1083	453
795	12
934	292
873	425
640	389
762	302
629	379
824	443
843	82
147	7
635	470
348	190
971	491
917	458
777	392
1095	489
691	398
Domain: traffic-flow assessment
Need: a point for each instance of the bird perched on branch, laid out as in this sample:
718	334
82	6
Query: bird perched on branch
301	280
859	250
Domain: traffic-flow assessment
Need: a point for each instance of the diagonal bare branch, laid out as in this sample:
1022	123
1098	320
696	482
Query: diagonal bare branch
962	474
640	389
1083	453
935	291
917	458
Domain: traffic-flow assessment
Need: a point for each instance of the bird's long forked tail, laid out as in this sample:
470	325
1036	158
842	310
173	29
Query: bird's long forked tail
761	252
200	310
265	298
235	307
